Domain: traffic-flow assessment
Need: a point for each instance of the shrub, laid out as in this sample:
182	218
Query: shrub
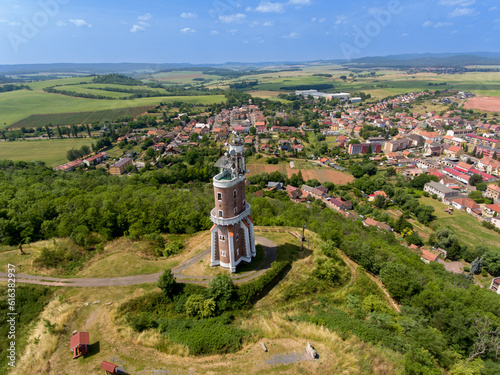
252	291
167	284
208	336
173	248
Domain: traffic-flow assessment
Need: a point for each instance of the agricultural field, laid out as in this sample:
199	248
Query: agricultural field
17	105
183	77
79	117
484	103
309	172
50	151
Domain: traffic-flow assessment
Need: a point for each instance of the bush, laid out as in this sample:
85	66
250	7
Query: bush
173	248
272	160
167	284
208	336
252	291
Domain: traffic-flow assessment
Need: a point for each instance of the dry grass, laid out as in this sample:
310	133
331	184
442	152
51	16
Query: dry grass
148	351
41	343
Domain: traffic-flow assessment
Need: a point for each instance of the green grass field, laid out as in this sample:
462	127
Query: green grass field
52	152
79	117
17	105
469	230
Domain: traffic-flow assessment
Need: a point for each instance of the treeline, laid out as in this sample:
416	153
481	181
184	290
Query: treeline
243	85
52	90
10	87
117	79
318	86
38	203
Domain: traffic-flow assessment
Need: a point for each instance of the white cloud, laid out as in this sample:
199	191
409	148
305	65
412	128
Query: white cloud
80	23
269	7
461	3
11	23
427	24
341	20
61	23
459	12
405	35
319	20
187	30
492	9
145	17
141	24
292	35
214	32
233	31
189	15
268	23
136	28
230	18
442	24
300	2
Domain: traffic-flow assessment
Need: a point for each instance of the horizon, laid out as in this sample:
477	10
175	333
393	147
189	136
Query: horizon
196	32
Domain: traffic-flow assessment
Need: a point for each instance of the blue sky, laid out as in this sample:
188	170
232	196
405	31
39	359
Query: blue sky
217	31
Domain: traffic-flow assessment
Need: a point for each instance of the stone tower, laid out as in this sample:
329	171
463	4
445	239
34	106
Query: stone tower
233	239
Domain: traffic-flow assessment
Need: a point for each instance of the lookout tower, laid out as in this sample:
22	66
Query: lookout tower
233	239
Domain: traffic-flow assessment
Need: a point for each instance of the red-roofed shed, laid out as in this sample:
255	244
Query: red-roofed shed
79	344
108	367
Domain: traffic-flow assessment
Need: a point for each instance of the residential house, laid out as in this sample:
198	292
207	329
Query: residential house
492	209
493	192
443	192
466	204
383	226
293	192
275	185
495	284
362	148
453	151
119	167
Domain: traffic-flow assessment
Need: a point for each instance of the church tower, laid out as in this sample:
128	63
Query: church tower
233	239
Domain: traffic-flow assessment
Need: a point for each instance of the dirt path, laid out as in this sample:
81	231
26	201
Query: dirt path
270	249
354	268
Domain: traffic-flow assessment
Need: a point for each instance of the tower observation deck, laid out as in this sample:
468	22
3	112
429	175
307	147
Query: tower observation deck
232	235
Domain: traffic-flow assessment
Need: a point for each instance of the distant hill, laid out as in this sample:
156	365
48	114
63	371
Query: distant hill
427	60
393	61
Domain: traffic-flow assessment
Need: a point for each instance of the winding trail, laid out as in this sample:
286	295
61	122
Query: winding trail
269	247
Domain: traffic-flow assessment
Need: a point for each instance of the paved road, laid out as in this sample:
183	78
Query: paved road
269	246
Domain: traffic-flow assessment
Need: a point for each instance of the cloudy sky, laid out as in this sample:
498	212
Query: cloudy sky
217	31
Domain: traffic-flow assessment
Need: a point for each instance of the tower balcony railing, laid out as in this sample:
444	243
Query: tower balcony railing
230	220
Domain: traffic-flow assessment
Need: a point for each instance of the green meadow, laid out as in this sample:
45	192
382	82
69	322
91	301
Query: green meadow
50	151
17	105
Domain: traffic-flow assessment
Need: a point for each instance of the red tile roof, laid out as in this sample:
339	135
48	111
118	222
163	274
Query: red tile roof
80	338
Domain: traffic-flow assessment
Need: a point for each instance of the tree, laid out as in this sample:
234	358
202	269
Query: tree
47	129
253	130
59	132
476	266
391	171
168	284
379	201
475	179
222	290
88	131
370	169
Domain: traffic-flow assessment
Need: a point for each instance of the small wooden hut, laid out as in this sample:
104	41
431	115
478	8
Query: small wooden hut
79	344
108	367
